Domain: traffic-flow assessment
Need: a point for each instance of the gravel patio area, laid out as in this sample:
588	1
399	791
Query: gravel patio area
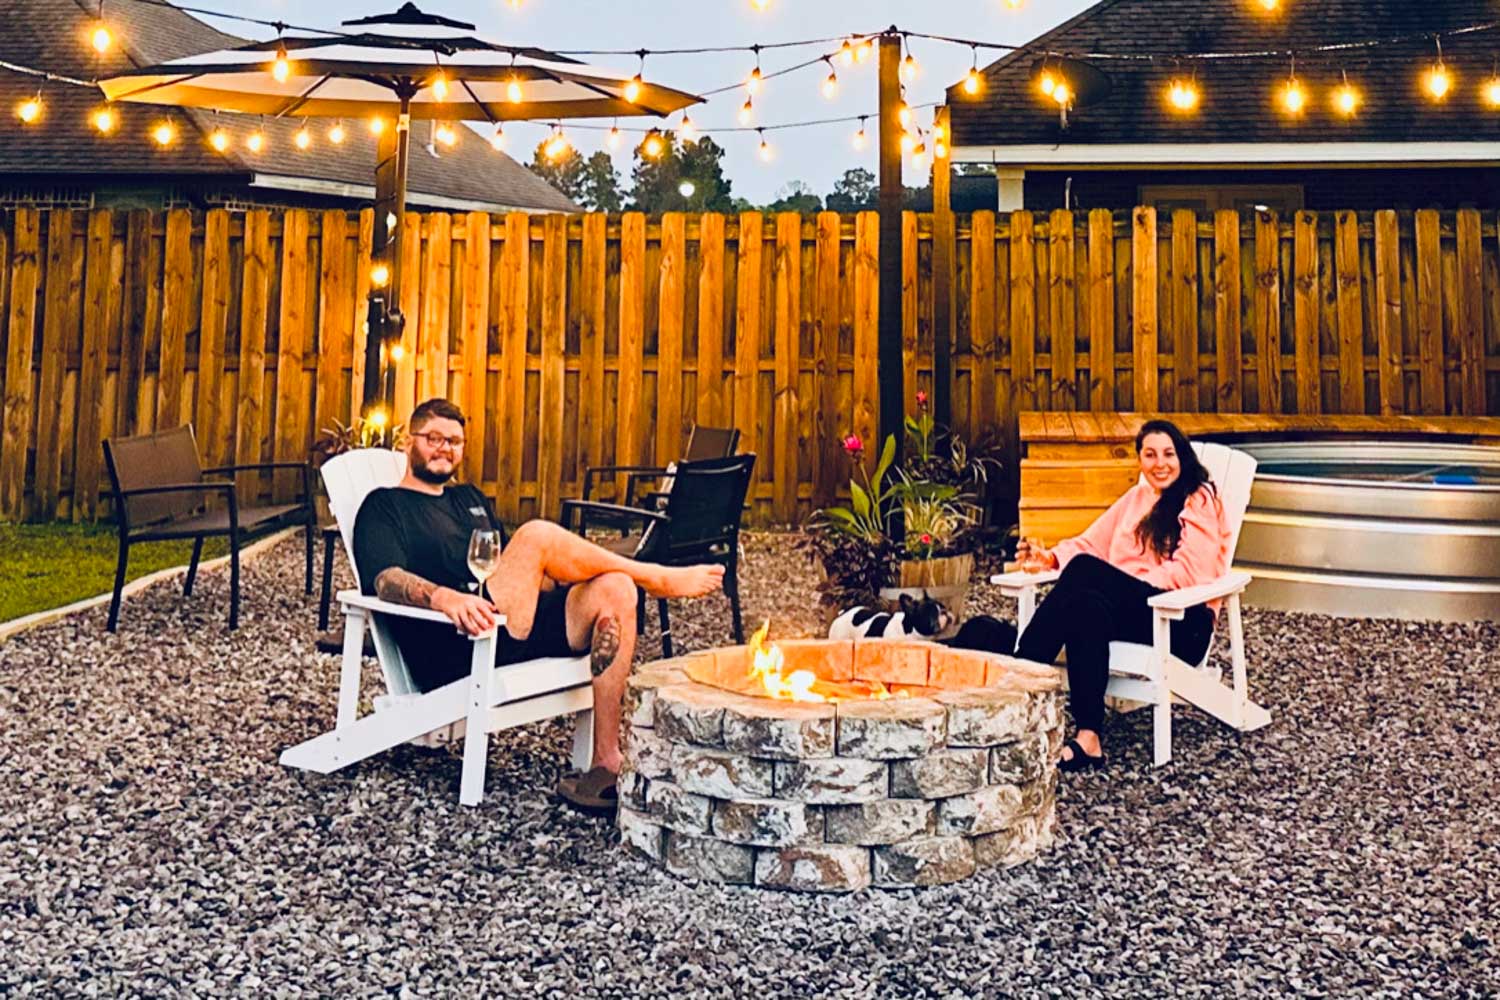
150	843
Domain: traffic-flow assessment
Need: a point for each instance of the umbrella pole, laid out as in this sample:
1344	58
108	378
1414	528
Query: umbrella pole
384	319
395	320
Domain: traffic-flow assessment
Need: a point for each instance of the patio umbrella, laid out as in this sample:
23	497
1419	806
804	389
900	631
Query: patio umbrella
402	66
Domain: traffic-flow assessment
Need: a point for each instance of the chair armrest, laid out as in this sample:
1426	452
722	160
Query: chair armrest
607	470
303	467
612	510
201	487
634	479
1189	597
1011	584
355	599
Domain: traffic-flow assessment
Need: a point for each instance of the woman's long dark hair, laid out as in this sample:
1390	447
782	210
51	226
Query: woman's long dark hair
1161	529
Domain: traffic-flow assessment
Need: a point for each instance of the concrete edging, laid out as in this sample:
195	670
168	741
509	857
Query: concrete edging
38	618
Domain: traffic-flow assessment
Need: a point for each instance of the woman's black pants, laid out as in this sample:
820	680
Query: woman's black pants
1093	604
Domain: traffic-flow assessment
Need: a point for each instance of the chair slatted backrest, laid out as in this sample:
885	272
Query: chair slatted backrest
711	442
348	479
165	458
1233	473
704	507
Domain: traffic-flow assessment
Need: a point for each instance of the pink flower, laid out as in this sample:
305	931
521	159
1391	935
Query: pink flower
853	445
926	539
921	399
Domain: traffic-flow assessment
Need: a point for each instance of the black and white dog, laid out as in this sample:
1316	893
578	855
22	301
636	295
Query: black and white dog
916	619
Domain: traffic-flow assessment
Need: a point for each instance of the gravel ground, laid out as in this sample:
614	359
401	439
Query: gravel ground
150	843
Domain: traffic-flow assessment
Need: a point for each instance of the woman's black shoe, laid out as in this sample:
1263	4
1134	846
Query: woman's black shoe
1080	761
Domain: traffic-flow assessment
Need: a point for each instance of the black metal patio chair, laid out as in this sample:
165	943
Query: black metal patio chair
700	523
161	492
703	443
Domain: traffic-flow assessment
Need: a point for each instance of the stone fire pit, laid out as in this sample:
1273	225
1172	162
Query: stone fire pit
948	769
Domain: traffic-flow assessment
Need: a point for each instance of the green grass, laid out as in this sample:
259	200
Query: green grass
50	565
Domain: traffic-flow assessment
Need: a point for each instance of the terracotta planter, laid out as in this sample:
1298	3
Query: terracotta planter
945	579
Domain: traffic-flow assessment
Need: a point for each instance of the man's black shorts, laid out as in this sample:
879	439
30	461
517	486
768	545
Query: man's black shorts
446	651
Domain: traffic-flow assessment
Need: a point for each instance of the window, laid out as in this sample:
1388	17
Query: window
1284	199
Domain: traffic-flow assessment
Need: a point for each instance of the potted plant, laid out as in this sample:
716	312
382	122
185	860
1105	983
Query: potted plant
909	529
335	440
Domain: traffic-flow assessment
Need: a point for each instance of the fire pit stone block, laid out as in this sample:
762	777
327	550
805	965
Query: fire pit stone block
832	781
884	822
638	832
690	713
647	754
640	690
891	730
1020	762
984	717
676	809
721	775
830	659
953	669
767	822
828	868
761	727
708	859
891	662
1017	843
992	808
923	861
939	774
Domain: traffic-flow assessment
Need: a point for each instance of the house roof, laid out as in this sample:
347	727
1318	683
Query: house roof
54	35
1397	121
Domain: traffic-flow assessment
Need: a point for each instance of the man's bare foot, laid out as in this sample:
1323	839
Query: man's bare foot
686	581
605	646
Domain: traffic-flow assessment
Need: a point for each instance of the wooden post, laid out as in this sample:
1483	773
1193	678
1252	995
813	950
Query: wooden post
943	298
890	361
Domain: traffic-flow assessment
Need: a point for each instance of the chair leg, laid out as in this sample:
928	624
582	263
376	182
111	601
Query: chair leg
640	611
114	603
325	600
732	590
476	732
1161	713
234	581
192	573
583	741
307	575
666	629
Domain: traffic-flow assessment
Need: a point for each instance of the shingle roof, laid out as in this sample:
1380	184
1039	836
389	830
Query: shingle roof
1237	96
53	35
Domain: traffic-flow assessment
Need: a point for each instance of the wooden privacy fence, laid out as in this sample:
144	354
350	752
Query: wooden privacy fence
580	340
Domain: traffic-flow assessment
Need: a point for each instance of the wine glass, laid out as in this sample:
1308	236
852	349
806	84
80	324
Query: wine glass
484	555
1034	557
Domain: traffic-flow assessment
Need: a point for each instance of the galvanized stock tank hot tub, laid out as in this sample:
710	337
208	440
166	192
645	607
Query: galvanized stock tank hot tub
1406	529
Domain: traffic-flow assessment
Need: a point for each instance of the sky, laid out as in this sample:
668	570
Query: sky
817	155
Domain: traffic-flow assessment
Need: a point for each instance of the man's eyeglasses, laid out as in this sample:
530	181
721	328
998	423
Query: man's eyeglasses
435	440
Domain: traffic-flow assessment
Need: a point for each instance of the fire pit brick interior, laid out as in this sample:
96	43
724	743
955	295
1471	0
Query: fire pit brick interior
953	774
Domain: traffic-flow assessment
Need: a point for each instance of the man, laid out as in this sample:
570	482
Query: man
561	594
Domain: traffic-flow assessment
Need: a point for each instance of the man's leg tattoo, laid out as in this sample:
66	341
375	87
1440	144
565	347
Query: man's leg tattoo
606	644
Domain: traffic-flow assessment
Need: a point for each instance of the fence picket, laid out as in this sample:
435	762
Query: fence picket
1268	312
1305	296
1185	310
554	344
57	312
982	336
87	450
786	441
515	283
1430	312
630	427
291	437
1470	313
475	329
1390	365
671	302
1063	307
331	332
1227	295
251	420
19	388
1144	262
1101	309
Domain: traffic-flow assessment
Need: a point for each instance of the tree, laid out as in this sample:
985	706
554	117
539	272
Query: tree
593	183
659	181
856	191
796	196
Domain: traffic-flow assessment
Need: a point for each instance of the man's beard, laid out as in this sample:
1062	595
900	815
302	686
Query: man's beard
422	472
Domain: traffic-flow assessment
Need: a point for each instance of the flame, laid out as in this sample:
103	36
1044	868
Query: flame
766	664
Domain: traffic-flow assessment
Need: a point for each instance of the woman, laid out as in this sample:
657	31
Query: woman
1167	532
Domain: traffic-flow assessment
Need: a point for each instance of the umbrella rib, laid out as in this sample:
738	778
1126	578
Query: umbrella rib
158	85
301	99
482	106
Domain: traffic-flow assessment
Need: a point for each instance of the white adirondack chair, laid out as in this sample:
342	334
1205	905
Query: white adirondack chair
488	700
1151	674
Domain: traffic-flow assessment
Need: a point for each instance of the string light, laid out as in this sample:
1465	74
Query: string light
281	66
831	83
497	139
636	84
860	139
973	82
685	130
908	66
919	156
303	138
513	90
101	38
104	120
846	53
1293	97
219	140
864	50
1492	92
30	110
377	125
398	351
752	82
1183	95
1347	99
1270	5
440	87
557	144
765	147
164	134
760	5
903	114
653	145
747	111
613	139
1438	80
1048	83
256	142
446	134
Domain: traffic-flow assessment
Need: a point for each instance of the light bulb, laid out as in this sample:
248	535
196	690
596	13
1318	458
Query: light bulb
633	89
939	131
919	157
752	82
1346	100
1293	97
831	86
860	139
973	82
908	142
747	112
446	134
513	91
765	151
440	87
760	5
1492	92
104	120
1438	81
1183	95
1063	94
219	140
652	146
377	125
101	38
256	142
1048	83
613	139
281	67
685	130
903	114
908	69
864	50
398	351
1270	4
846	53
940	149
336	134
29	110
164	133
303	138
497	140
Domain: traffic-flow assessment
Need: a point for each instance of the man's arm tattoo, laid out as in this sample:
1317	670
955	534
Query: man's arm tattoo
396	585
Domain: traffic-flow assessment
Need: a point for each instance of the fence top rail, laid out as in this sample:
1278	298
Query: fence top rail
1111	428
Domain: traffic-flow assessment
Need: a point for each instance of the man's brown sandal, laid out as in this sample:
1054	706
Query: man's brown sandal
592	792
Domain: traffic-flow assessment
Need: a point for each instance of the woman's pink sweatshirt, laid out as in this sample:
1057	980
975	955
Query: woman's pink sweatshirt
1202	557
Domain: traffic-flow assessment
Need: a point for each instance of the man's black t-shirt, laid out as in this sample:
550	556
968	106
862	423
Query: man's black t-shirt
429	536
